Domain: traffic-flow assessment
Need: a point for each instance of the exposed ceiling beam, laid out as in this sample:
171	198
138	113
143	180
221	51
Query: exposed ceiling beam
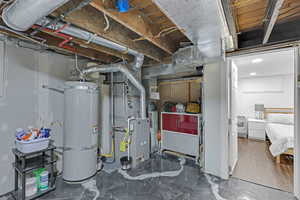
231	21
92	20
134	21
272	13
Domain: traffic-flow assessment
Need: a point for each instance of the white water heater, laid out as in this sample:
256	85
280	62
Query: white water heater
80	131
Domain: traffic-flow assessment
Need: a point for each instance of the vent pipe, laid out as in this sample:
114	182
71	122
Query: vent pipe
22	14
122	68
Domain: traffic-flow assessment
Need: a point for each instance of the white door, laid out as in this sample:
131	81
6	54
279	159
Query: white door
233	129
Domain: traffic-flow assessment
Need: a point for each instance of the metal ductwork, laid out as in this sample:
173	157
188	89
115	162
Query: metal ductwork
184	60
123	69
202	21
188	56
22	14
138	61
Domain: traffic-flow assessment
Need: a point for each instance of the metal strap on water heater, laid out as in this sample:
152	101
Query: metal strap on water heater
80	148
82	87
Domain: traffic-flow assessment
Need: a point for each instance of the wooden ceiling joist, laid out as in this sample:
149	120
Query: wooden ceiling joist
135	21
91	19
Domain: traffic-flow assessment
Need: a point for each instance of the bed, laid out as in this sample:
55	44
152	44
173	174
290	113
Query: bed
280	131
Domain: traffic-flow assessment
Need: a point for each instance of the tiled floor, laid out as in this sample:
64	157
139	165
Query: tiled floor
190	184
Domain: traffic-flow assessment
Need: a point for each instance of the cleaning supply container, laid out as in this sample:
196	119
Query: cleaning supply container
32	145
37	174
30	187
44	180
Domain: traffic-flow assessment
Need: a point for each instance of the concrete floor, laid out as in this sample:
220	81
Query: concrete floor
190	184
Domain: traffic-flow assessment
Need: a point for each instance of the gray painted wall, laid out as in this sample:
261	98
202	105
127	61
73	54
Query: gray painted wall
24	102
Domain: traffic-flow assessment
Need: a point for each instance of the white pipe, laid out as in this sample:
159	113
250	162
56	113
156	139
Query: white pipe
22	14
121	68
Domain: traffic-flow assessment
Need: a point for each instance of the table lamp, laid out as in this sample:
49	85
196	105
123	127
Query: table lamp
259	111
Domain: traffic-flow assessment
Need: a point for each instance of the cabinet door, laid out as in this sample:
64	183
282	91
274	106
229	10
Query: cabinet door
257	134
188	124
170	122
180	123
257	125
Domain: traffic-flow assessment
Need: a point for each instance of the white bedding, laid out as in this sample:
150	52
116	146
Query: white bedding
281	136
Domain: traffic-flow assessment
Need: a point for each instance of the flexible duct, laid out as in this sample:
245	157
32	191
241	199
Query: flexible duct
121	68
22	14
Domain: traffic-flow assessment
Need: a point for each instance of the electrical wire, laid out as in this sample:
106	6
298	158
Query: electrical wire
166	31
107	23
77	68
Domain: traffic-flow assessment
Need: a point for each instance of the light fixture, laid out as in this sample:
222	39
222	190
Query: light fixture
252	73
257	60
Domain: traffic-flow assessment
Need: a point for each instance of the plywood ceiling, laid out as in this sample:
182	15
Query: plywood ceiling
250	14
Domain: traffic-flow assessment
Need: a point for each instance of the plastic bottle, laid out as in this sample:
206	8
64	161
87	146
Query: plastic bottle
44	179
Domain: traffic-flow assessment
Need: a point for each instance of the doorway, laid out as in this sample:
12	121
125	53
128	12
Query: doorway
261	91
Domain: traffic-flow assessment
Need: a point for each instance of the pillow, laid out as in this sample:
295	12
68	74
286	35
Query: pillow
280	118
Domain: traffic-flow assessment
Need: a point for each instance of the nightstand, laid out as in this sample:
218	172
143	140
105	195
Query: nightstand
256	129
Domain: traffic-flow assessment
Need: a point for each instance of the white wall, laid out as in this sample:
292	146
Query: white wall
215	115
272	91
25	102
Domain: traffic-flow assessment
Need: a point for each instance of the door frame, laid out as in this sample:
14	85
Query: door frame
296	51
231	122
